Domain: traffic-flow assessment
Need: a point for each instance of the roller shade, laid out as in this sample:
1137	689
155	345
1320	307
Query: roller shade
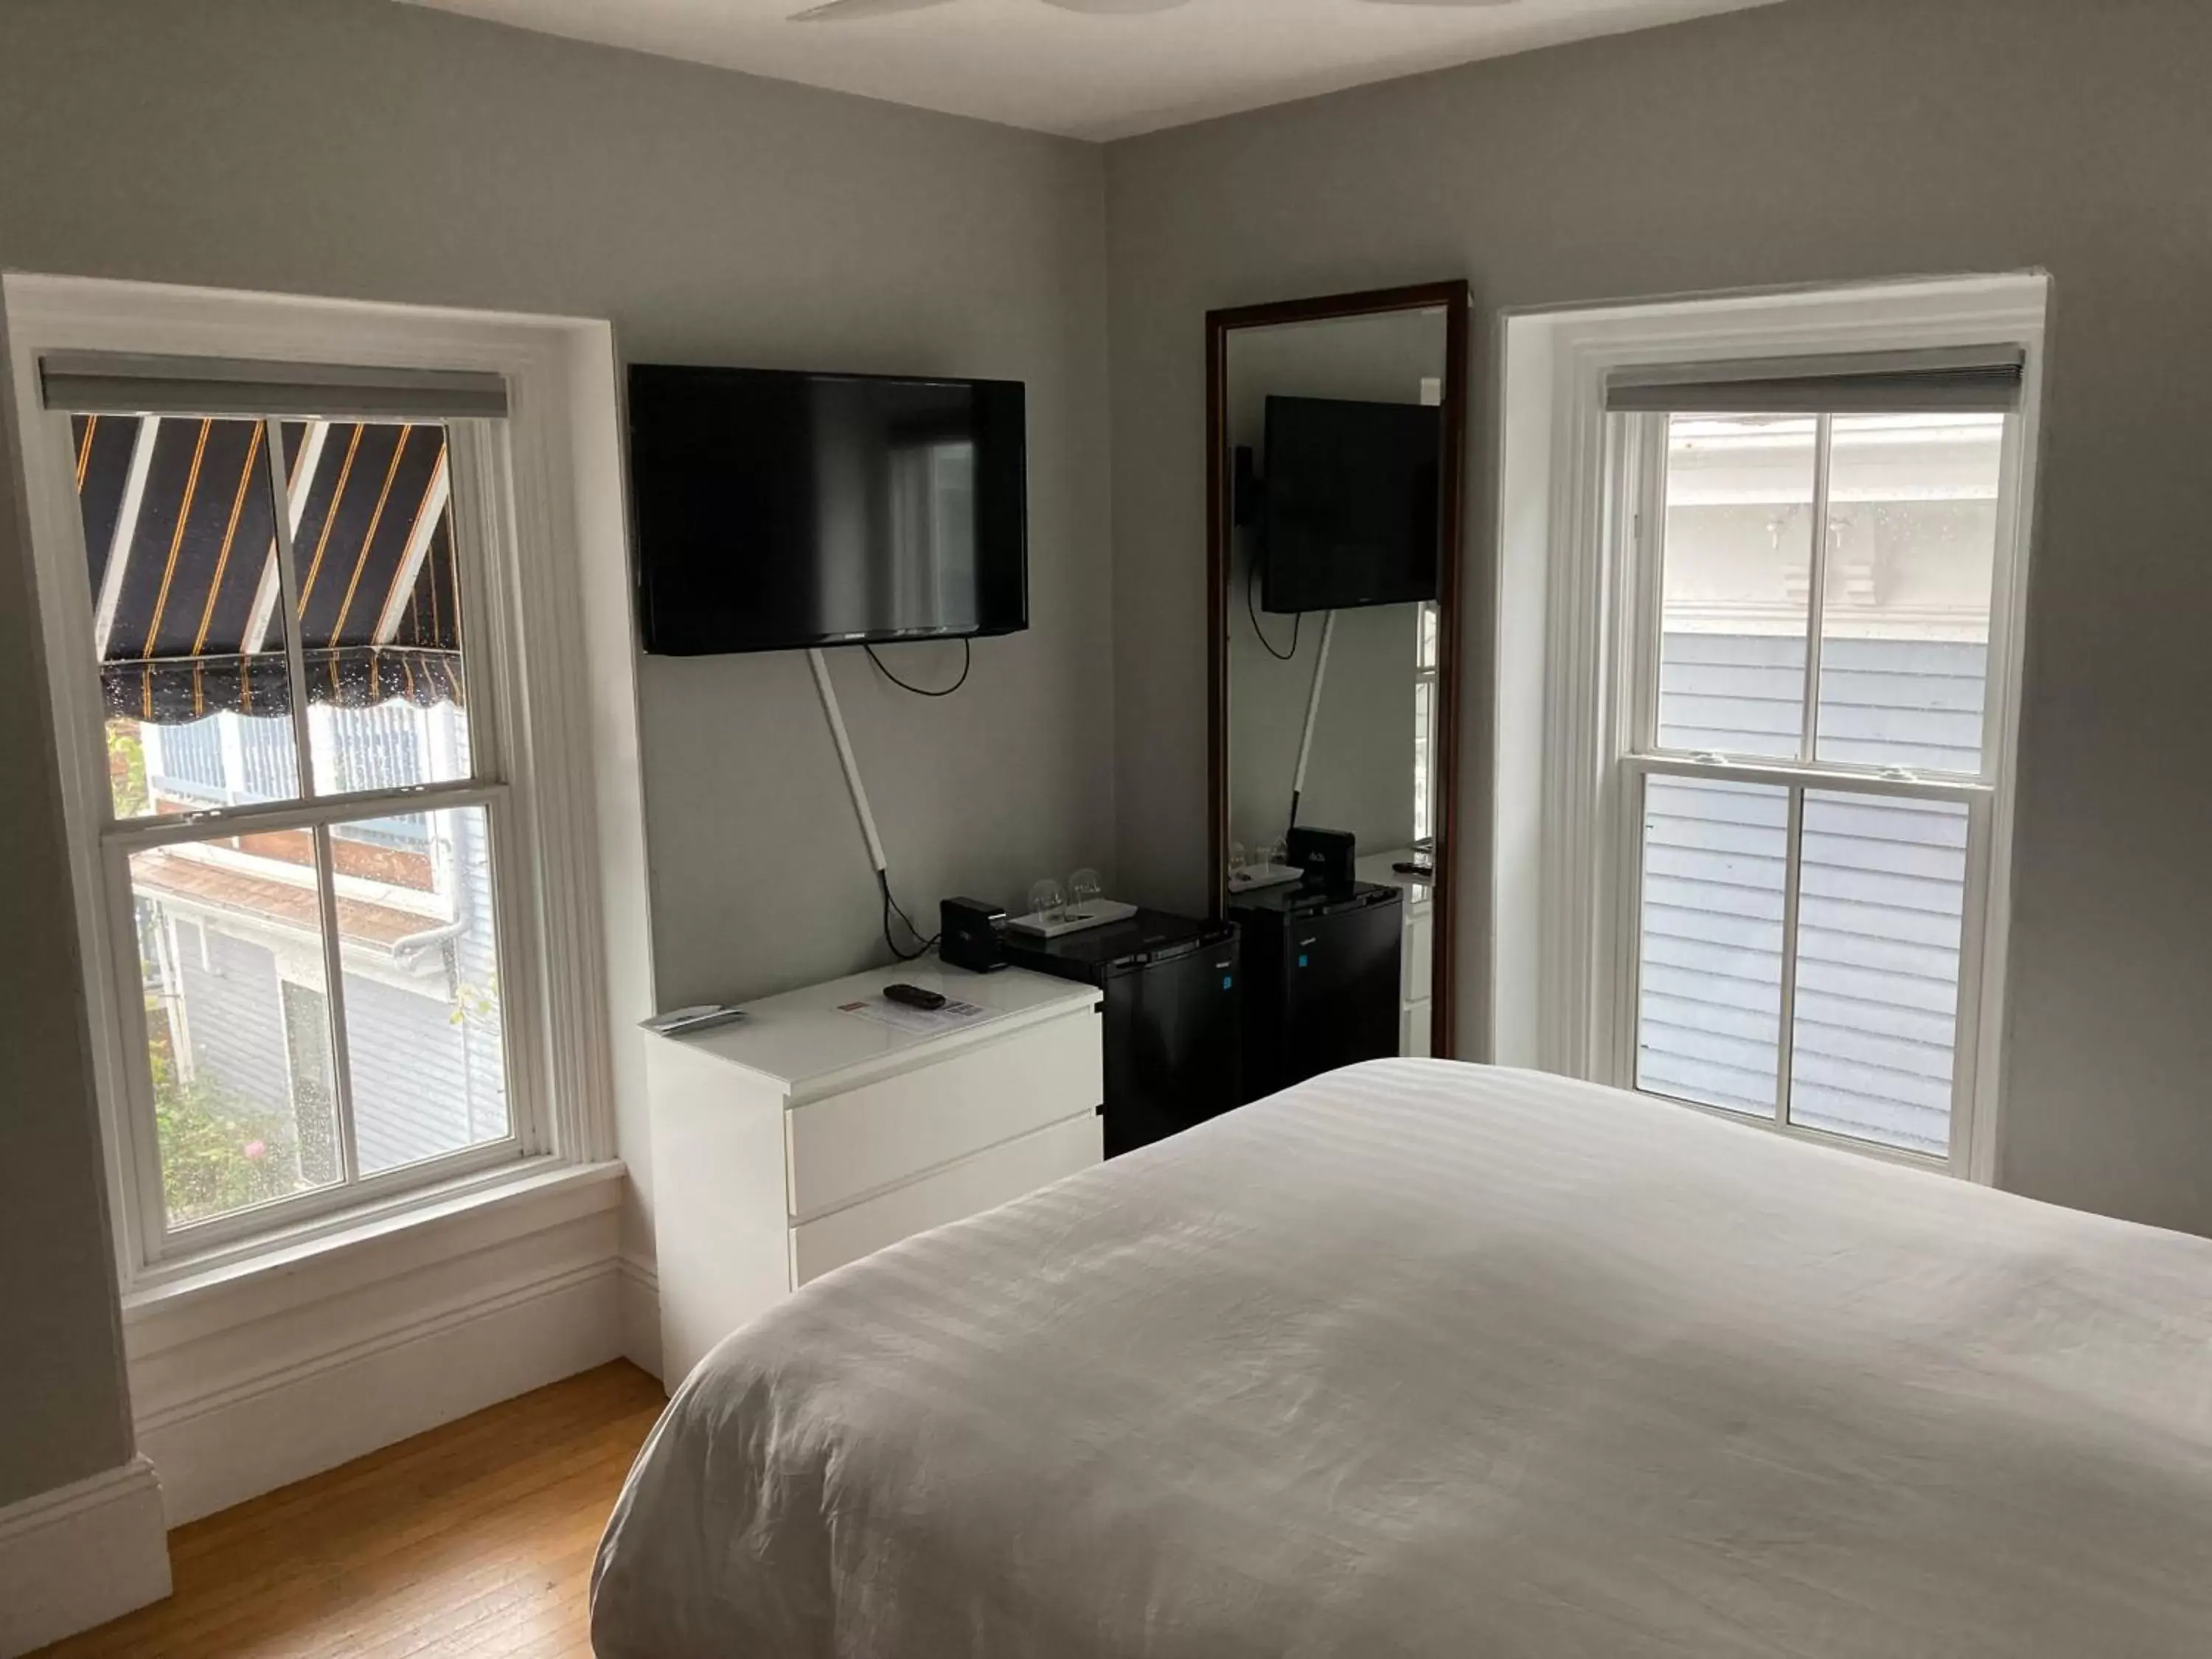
118	383
1978	380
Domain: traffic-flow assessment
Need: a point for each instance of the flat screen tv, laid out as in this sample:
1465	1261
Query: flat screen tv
778	510
1349	514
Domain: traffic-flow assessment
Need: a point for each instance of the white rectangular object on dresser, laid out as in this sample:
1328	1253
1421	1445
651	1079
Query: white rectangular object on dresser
805	1137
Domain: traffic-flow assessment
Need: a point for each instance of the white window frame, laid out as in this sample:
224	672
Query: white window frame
1427	635
530	720
1598	679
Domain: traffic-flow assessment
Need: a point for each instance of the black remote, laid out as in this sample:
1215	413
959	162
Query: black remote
1422	871
914	997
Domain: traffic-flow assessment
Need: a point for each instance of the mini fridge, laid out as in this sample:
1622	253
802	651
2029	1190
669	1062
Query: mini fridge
1172	1035
1321	967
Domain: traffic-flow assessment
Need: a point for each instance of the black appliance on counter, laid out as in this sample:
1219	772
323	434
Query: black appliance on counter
1173	1039
1320	979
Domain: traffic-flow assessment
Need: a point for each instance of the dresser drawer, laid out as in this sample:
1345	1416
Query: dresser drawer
969	1188
884	1132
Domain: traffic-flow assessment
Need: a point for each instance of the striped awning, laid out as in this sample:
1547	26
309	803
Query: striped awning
180	546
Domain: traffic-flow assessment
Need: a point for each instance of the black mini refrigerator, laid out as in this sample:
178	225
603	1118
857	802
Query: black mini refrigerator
1173	1037
1321	991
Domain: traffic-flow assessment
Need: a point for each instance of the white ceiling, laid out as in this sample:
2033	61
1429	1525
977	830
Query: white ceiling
1030	64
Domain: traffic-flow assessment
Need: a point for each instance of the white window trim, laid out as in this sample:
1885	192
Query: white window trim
1426	681
557	371
1558	527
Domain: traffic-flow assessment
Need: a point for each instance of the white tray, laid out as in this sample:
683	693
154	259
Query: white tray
1253	878
1099	914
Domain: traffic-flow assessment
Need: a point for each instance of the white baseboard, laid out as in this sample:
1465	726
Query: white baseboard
253	1437
641	1315
80	1555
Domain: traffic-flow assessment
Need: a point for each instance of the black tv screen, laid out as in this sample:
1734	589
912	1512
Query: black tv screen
1351	513
778	510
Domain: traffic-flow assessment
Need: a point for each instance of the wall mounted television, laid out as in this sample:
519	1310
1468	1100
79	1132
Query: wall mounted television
1349	516
776	510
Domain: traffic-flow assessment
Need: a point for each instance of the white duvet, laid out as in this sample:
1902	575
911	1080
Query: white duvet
1430	1359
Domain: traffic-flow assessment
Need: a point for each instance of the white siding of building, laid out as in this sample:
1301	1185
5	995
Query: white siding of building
235	1020
1882	889
425	1045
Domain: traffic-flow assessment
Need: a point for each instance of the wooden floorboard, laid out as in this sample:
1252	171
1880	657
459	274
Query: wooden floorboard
475	1538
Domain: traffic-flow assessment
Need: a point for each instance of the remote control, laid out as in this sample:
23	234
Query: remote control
1423	871
914	997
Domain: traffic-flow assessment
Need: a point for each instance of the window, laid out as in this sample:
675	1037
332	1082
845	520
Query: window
311	772
1424	723
1753	786
1808	765
280	624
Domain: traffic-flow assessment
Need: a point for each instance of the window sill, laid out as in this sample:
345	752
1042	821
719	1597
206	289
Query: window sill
185	1304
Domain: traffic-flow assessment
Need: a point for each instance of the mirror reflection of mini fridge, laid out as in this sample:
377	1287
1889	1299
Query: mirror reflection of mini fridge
1173	1037
1320	979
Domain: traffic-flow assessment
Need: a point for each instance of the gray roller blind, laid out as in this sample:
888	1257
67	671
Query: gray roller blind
118	383
1973	379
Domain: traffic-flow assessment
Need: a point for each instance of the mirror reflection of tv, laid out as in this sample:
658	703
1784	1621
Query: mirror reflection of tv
776	510
1350	512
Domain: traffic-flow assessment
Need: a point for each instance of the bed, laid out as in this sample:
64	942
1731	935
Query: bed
1427	1358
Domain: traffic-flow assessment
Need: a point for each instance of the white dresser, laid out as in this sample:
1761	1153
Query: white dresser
1416	954
806	1136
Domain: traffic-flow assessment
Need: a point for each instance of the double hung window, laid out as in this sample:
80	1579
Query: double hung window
1815	687
285	661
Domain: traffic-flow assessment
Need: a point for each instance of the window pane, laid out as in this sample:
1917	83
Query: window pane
1425	701
1737	580
180	559
1715	862
424	1047
1882	896
380	606
1913	532
231	956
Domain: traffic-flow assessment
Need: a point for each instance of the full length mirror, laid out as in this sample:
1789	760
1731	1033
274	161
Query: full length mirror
1337	437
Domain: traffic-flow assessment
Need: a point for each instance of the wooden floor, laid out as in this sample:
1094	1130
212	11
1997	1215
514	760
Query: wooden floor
474	1538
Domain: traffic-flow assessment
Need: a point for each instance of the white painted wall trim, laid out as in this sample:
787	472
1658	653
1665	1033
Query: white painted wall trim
594	477
253	1386
1557	525
322	1269
80	1555
640	1314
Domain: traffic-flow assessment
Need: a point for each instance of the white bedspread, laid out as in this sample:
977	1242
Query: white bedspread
1430	1359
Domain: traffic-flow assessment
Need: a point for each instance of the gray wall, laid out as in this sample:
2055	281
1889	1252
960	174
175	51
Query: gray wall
1822	141
357	147
62	1411
362	149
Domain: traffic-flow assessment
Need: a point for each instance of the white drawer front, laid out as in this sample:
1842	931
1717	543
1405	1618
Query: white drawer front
894	1129
1418	968
968	1188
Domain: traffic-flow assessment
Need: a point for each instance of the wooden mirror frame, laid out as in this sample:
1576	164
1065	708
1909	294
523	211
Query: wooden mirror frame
1453	299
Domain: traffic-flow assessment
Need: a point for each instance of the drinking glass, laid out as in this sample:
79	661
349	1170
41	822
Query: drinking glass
1237	863
1085	889
1046	902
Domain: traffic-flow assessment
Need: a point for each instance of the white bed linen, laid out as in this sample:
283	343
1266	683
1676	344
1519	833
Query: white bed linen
1433	1359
